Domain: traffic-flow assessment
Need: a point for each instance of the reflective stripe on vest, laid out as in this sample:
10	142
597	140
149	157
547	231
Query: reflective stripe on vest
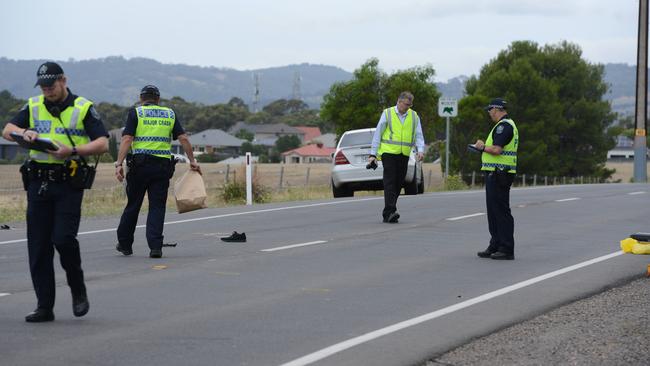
398	138
153	134
507	160
42	121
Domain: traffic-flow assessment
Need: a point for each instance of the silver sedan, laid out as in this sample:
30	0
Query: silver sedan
349	171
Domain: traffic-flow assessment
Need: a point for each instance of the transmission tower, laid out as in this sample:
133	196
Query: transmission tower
256	92
297	95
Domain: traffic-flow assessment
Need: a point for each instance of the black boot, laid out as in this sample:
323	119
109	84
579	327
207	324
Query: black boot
40	315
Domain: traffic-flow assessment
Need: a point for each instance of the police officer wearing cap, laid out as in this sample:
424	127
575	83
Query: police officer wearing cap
53	205
398	132
146	139
499	161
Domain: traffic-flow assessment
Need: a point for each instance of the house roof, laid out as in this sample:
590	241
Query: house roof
213	137
275	128
328	140
310	132
311	150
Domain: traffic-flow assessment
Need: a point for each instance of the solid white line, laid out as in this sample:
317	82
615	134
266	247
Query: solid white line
568	199
466	216
634	193
294	246
4	294
224	215
326	352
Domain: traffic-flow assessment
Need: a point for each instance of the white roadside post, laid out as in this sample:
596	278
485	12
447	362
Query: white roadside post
249	180
447	107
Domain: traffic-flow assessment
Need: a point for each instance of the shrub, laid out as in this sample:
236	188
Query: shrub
235	192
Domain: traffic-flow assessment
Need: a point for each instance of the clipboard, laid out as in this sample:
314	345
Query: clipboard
40	144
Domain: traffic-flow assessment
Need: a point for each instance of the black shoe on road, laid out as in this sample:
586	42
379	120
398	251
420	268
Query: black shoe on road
123	250
80	305
40	316
486	253
235	237
393	218
502	256
155	253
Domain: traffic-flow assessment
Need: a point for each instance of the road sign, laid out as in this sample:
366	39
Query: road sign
447	107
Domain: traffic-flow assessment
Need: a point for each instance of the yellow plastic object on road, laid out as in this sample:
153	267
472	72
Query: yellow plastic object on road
634	246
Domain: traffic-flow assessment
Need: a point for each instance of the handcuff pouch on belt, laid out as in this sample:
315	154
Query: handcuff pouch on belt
75	172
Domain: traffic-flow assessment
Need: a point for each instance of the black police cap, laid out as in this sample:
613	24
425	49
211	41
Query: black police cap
150	90
48	73
497	103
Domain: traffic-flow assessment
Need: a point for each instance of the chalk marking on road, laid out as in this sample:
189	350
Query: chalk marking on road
342	346
4	294
568	199
466	216
223	215
294	246
635	193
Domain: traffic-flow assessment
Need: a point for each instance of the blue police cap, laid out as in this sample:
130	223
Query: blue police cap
497	103
48	73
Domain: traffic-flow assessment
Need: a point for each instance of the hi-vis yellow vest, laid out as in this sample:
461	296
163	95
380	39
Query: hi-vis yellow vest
52	128
507	160
153	135
398	138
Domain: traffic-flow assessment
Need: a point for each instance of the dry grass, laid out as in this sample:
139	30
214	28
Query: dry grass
290	182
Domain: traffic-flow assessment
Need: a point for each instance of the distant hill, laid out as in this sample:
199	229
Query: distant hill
118	80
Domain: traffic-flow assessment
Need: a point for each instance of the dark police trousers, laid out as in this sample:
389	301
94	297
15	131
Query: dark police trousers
394	173
150	177
53	222
500	221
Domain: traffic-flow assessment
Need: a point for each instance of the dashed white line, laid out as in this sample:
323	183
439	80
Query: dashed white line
635	193
466	216
342	346
568	199
294	246
4	294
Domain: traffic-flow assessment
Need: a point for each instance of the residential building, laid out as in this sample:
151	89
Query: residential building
315	153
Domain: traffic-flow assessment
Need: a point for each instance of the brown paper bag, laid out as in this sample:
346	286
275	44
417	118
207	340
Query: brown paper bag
189	191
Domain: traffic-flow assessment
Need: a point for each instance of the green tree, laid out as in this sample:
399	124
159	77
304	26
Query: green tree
358	103
554	96
9	105
286	143
245	135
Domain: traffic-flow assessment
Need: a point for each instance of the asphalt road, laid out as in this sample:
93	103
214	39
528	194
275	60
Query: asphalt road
324	282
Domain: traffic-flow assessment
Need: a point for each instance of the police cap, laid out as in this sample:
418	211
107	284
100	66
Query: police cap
48	73
150	90
497	103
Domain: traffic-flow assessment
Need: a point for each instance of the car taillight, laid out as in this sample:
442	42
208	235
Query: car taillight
340	159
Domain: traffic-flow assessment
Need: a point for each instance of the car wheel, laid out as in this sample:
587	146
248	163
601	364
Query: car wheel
342	191
411	187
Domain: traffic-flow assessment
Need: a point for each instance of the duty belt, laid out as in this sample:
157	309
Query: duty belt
48	172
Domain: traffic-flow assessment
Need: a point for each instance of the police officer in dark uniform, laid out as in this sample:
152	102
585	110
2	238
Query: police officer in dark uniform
147	136
53	204
499	161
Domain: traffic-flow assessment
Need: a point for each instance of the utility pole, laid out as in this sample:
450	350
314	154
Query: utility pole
640	146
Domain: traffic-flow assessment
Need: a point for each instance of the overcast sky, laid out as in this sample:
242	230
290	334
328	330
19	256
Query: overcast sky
454	36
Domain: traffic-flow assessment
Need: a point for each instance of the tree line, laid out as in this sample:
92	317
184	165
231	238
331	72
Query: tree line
555	97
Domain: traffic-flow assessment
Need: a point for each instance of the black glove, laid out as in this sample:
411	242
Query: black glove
372	165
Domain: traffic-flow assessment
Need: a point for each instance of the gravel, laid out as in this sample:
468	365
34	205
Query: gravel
610	328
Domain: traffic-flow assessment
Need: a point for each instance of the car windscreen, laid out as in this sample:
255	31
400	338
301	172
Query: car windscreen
356	139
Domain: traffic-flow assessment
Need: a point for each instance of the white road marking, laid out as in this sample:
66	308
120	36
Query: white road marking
294	246
635	193
466	216
224	215
326	352
4	294
568	199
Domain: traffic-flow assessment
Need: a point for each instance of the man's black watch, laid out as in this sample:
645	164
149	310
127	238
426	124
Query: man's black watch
74	152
